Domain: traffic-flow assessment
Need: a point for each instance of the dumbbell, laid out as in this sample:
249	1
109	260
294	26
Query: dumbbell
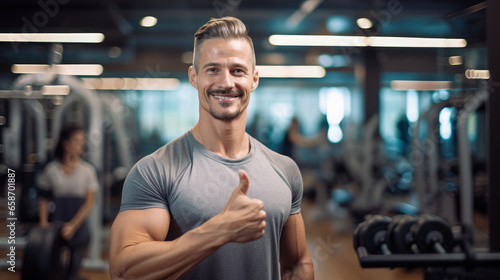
431	234
398	237
371	235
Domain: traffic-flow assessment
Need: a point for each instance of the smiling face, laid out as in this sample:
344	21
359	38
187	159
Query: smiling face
225	78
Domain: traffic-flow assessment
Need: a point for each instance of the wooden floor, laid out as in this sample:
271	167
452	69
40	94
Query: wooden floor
330	245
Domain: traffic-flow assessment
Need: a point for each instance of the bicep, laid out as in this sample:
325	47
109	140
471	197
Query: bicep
293	245
132	227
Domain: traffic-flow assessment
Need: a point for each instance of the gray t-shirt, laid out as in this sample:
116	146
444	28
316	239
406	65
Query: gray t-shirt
194	185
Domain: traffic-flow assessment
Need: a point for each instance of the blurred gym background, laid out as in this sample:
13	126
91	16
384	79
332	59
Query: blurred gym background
386	105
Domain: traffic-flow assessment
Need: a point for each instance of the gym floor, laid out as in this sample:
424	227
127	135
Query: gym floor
332	252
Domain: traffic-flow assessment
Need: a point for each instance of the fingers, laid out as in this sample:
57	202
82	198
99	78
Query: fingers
244	182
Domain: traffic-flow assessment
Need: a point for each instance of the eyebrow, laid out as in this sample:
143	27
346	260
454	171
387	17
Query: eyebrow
233	65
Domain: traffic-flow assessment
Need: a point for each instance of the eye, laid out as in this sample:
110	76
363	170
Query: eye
239	71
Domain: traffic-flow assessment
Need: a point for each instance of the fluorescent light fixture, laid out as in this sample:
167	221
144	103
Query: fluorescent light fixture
473	74
455	60
364	23
420	85
55	90
148	21
52	37
62	69
132	83
411	42
317	40
364	41
291	71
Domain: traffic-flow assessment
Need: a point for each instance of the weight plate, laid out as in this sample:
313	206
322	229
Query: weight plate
42	256
431	229
373	233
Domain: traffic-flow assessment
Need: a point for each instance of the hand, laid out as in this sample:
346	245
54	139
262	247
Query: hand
68	230
243	218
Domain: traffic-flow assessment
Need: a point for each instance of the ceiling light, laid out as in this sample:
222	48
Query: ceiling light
62	69
55	90
474	74
420	85
296	71
132	83
187	57
52	37
317	40
148	21
455	60
364	23
412	42
364	41
114	52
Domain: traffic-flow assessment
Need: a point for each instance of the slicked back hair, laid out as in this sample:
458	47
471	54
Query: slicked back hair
220	28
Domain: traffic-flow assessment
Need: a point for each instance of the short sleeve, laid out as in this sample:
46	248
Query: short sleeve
93	183
143	187
297	188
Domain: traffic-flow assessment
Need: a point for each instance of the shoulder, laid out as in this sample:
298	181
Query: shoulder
177	151
170	159
51	164
284	163
87	166
51	167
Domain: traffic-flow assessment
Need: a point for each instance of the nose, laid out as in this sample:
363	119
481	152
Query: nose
226	80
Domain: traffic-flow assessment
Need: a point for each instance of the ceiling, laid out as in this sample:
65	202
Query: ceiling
158	51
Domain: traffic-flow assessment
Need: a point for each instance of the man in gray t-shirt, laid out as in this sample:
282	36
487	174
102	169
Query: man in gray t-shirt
214	203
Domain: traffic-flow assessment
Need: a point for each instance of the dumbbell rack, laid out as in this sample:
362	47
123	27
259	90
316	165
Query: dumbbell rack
428	260
426	241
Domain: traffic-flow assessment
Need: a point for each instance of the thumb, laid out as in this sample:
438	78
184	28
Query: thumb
244	182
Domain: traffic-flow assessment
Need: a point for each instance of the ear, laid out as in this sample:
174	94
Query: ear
192	77
255	79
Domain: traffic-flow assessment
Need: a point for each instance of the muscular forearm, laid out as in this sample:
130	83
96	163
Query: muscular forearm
302	271
167	259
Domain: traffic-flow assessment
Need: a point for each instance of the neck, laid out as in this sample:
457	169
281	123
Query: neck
225	138
70	160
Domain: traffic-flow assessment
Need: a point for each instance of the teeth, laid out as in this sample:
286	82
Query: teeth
223	97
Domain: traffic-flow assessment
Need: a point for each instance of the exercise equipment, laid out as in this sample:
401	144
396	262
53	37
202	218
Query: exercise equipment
46	256
432	237
371	234
398	236
431	234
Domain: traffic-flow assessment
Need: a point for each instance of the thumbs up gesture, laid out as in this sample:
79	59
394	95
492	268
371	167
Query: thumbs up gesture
243	218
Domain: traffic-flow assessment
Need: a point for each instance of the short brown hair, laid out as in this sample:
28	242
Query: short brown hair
223	28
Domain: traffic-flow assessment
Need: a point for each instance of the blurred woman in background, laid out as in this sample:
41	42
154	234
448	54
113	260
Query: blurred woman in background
71	183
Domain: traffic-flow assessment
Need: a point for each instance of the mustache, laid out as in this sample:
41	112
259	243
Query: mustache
226	92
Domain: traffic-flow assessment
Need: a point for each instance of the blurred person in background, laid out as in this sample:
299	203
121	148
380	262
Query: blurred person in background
71	183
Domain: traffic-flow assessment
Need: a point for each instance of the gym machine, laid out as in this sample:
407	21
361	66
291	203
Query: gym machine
428	241
26	92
